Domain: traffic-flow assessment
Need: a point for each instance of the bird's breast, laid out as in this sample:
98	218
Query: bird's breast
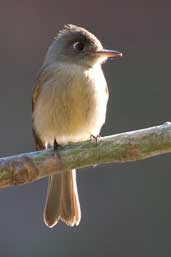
71	106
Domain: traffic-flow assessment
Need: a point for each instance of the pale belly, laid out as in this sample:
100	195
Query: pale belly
71	113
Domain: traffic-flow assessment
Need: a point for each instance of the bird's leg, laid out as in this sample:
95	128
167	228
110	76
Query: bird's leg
56	147
57	156
94	139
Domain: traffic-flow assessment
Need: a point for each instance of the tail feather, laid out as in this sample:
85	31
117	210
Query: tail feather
62	200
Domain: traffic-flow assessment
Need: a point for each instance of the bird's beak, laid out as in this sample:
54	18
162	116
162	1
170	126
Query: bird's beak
108	53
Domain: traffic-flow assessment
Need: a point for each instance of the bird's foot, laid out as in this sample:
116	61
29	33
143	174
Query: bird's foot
56	147
94	139
57	156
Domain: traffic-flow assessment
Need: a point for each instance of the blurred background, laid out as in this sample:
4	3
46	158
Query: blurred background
126	208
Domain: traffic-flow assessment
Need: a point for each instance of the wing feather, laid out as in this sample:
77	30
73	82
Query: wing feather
43	75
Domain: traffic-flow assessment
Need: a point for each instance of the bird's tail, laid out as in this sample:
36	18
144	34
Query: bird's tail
62	200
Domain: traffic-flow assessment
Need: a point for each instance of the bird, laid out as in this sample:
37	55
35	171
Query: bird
69	104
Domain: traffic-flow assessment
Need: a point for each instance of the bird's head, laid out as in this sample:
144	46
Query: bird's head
76	45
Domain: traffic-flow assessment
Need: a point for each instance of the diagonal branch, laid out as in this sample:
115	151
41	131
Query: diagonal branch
124	147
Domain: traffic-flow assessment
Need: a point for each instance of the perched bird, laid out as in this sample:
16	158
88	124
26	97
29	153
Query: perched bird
69	105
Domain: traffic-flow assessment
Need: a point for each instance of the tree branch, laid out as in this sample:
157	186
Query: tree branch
124	147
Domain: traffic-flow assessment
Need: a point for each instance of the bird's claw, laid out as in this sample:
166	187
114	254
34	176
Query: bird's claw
94	139
56	152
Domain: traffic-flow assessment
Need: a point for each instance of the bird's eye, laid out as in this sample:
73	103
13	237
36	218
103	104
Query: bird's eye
78	46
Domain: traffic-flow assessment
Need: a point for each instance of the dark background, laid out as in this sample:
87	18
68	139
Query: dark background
126	208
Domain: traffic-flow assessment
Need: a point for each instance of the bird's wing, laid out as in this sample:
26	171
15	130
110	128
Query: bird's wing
43	75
